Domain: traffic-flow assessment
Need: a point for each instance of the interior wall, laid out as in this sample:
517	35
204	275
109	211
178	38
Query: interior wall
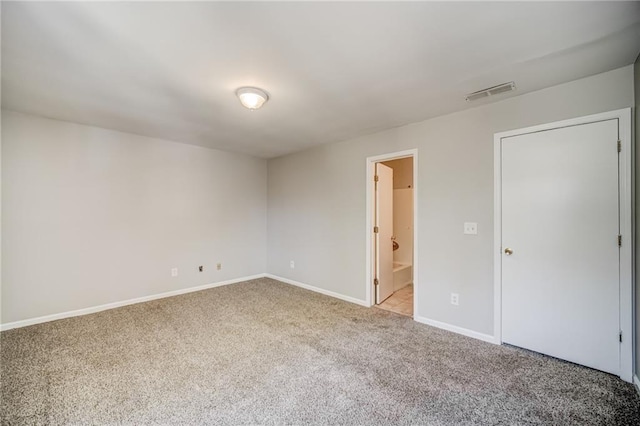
402	208
317	208
403	225
92	216
402	172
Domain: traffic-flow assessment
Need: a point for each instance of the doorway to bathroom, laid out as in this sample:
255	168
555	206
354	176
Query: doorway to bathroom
392	232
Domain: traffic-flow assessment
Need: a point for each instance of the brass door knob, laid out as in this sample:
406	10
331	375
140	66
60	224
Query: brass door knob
508	251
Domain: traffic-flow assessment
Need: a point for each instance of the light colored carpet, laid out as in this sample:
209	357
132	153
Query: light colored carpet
263	352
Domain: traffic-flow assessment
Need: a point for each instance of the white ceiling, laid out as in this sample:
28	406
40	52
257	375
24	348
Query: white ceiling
334	70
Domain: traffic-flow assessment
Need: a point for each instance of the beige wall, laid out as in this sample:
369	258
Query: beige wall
402	172
316	210
92	216
402	208
403	225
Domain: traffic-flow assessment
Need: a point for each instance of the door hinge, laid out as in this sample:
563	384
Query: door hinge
619	146
376	178
375	229
619	240
375	281
620	336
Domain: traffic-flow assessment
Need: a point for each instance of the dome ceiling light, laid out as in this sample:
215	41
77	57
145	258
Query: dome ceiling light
252	97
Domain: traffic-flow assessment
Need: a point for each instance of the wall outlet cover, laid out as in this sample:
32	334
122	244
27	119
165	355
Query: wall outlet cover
455	299
471	228
292	264
174	272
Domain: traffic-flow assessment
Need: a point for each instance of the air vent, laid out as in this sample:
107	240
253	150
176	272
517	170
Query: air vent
491	91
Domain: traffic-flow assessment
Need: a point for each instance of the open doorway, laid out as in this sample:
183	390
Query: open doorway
392	241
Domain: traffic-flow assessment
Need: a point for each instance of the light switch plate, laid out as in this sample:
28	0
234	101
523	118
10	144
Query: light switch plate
471	228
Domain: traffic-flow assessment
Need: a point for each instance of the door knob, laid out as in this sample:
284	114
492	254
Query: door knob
508	251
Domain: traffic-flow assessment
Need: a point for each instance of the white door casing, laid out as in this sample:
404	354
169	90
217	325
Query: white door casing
383	238
563	194
369	287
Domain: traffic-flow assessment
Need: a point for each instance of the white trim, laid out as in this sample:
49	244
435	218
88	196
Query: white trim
497	239
94	309
370	171
416	286
636	381
626	251
319	290
393	156
626	227
455	329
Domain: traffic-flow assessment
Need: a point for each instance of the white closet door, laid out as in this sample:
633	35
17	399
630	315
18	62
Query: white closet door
560	254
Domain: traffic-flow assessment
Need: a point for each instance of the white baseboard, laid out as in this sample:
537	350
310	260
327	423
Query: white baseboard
319	290
423	320
94	309
636	381
456	329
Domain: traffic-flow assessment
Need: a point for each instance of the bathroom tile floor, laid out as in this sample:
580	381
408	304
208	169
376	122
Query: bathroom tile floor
400	302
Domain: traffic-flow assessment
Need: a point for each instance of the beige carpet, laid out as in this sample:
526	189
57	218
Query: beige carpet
263	352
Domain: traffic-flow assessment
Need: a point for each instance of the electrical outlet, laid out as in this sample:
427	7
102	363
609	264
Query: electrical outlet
471	228
174	272
455	298
200	268
219	266
292	264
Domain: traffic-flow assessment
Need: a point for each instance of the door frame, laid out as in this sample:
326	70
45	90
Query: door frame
625	172
370	208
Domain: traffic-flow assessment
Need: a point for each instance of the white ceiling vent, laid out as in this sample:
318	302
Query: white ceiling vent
495	90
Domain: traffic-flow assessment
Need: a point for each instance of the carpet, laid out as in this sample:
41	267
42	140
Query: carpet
263	352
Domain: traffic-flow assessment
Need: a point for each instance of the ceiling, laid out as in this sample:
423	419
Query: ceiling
334	71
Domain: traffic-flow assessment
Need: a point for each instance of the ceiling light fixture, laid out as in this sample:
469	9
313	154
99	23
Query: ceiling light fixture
252	97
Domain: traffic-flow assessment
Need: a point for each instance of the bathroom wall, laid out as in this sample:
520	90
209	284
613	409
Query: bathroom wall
402	172
403	225
402	208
